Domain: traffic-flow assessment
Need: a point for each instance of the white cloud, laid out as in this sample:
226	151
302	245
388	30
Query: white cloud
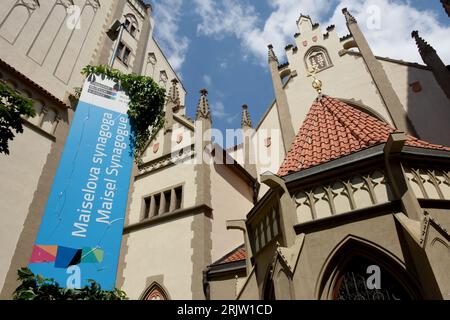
167	17
218	110
241	20
390	37
207	80
223	65
387	25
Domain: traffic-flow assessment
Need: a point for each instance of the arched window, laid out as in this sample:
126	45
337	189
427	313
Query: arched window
317	58
18	16
131	24
361	270
155	292
357	280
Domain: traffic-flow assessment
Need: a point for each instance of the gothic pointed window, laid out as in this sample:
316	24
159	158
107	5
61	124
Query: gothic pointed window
16	19
131	25
155	292
363	279
317	58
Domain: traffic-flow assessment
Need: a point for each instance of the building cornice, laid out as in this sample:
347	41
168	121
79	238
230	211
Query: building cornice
348	162
401	62
201	209
363	159
223	269
345	218
33	84
165	161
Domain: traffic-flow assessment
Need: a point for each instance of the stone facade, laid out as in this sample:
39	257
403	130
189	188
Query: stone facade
44	45
303	233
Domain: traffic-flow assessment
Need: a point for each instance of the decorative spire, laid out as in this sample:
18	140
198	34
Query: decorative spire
174	94
424	48
272	55
350	19
246	121
203	111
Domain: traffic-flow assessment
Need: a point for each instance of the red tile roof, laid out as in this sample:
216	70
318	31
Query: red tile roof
333	129
237	254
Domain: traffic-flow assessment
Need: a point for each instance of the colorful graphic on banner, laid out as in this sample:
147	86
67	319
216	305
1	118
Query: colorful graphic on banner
81	230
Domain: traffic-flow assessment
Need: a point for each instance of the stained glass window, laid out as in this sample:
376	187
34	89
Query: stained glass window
352	283
156	293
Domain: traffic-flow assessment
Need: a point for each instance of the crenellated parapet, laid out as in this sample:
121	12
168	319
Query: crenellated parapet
312	47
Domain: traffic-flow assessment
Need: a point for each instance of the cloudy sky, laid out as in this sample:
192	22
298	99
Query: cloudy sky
222	44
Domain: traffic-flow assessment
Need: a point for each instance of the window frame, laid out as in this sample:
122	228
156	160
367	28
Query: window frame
122	49
144	216
314	51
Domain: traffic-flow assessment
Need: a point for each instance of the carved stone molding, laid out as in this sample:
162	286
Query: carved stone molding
342	195
429	183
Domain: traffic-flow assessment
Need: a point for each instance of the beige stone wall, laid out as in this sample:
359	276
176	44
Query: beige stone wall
231	199
40	45
37	42
163	249
269	158
157	67
16	196
182	174
226	288
354	81
157	146
250	290
428	109
319	246
21	170
136	15
441	216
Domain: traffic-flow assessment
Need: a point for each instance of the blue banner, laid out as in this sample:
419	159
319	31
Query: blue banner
81	230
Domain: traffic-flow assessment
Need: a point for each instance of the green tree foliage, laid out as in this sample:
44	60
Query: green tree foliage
34	287
12	108
146	106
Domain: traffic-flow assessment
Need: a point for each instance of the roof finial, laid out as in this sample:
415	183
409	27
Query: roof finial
174	95
272	55
424	47
246	121
203	106
350	19
316	84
